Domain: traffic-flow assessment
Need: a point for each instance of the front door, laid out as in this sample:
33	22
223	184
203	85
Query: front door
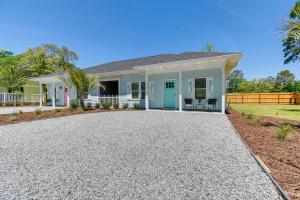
169	94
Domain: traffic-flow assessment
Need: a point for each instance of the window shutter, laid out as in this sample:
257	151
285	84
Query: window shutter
209	87
191	88
129	90
151	90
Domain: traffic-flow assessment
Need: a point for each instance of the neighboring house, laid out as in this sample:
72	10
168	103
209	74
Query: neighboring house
155	82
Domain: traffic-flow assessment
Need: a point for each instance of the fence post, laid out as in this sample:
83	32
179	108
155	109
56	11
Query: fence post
278	97
259	98
242	98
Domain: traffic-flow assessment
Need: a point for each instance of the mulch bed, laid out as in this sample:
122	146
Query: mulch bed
281	157
31	116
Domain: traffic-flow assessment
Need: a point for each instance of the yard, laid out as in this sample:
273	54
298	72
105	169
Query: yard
280	111
129	155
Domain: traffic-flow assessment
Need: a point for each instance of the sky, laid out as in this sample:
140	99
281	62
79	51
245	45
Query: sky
110	30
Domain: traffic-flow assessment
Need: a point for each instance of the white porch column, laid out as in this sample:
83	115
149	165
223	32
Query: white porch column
41	94
223	91
180	91
53	94
146	91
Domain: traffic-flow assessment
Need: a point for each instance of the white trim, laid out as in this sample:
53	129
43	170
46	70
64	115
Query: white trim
223	82
151	97
180	91
146	91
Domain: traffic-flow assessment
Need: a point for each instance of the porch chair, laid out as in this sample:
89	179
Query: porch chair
188	103
213	103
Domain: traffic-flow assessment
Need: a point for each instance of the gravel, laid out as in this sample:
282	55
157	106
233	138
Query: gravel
129	155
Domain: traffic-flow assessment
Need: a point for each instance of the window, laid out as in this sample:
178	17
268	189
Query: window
200	88
143	90
135	90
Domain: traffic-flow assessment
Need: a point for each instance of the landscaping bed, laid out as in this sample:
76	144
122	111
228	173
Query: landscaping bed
282	157
37	115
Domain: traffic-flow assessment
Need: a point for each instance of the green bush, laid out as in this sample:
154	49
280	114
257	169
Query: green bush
136	106
255	121
38	111
97	105
20	111
250	116
116	106
243	113
58	110
74	104
125	105
106	104
89	105
284	132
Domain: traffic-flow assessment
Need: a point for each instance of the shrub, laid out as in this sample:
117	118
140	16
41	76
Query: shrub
243	113
255	121
250	115
58	110
125	106
38	111
89	105
13	118
106	104
116	106
136	106
284	132
97	105
74	104
20	111
81	110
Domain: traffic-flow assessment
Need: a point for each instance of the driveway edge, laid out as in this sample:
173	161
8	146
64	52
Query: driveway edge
282	192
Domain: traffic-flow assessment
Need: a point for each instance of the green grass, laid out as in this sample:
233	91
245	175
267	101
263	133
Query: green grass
280	111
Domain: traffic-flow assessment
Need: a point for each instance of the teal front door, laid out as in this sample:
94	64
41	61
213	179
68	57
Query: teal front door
169	94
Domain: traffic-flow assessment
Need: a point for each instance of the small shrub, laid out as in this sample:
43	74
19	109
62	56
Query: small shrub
106	104
13	118
97	105
58	110
125	106
116	106
38	111
255	121
136	106
284	132
250	116
243	113
89	106
74	104
81	110
20	111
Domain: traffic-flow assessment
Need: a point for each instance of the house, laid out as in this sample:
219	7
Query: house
165	81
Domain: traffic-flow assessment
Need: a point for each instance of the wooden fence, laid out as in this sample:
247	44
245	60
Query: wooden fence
264	98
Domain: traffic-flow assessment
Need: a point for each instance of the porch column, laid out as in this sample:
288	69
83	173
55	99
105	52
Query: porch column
146	91
41	94
180	91
53	94
223	91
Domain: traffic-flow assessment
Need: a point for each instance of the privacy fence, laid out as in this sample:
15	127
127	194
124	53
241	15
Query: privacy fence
264	98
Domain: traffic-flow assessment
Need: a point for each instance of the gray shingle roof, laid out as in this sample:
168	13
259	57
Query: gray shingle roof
163	58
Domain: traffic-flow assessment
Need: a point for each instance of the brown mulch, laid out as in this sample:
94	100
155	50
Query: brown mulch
31	116
281	157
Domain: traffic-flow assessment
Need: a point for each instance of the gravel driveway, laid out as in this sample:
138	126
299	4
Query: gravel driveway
129	155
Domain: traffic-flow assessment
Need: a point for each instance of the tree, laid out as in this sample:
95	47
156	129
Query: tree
4	53
265	85
48	58
284	81
208	48
82	82
235	79
12	77
237	74
291	31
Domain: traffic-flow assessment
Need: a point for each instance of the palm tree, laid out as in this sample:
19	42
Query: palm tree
291	31
83	82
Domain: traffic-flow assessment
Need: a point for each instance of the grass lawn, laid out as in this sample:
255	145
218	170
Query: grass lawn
280	111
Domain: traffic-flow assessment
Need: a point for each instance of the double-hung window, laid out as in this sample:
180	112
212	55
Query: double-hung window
135	90
200	88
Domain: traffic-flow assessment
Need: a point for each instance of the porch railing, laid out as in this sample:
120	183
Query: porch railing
101	99
8	98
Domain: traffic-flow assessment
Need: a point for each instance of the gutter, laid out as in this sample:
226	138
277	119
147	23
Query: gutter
281	191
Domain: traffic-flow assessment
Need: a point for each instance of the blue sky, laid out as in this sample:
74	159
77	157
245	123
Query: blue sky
110	30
